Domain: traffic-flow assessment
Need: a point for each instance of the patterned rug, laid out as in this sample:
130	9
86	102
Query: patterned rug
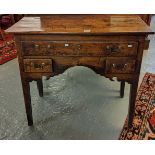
7	43
143	127
7	49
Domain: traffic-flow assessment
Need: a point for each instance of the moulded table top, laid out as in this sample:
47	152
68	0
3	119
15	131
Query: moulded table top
81	24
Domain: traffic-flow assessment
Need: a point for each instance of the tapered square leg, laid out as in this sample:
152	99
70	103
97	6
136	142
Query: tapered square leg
27	99
132	100
40	87
122	87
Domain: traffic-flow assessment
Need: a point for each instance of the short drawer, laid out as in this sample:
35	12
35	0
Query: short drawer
77	48
119	66
37	65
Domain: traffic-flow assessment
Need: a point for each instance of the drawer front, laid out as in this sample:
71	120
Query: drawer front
62	63
61	48
126	66
37	65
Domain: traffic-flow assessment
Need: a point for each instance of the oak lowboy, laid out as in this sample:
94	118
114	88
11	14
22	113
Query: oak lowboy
111	45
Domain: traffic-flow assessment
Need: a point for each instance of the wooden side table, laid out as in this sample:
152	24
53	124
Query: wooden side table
111	45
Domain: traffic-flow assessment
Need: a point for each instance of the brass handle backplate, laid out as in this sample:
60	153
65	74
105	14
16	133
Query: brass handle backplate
120	66
112	49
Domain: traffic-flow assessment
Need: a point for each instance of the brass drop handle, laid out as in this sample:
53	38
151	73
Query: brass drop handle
49	46
36	46
120	66
112	49
31	64
79	46
42	65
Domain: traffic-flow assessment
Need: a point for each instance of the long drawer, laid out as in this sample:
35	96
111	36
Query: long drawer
77	48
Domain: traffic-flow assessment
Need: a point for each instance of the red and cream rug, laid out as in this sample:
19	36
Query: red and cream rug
7	49
143	127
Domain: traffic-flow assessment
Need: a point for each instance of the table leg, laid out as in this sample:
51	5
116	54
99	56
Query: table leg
132	100
40	87
27	99
122	87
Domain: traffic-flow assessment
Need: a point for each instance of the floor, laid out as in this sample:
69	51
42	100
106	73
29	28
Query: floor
78	104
